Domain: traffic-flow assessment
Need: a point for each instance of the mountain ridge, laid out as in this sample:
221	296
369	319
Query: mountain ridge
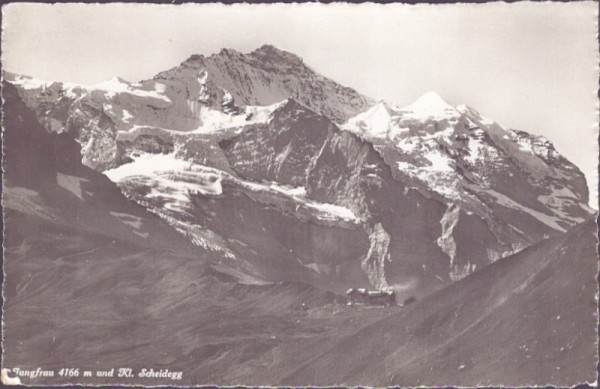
487	191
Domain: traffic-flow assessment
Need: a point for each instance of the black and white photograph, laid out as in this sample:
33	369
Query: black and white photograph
300	195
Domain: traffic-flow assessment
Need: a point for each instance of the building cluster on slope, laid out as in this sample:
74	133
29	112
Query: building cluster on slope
363	297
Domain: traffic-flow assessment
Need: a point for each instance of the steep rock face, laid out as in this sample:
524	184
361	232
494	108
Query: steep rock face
263	77
281	150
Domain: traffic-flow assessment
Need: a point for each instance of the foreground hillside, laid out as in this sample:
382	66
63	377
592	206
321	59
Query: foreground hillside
100	303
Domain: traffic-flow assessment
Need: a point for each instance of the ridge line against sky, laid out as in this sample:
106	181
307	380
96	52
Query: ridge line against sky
529	66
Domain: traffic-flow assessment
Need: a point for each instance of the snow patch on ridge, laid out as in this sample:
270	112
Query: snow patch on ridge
117	85
214	121
333	212
439	162
111	88
29	83
560	200
323	211
533	144
127	116
227	97
71	183
134	222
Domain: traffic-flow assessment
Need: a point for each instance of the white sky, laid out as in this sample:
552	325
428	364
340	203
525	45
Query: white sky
530	66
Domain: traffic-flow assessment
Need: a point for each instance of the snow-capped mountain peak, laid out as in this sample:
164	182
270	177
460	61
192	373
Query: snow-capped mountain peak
431	99
430	105
111	82
377	121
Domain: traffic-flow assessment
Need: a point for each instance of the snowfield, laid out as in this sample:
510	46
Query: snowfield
175	180
117	85
215	121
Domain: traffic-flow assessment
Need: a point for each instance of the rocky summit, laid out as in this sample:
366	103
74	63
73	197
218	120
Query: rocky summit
247	188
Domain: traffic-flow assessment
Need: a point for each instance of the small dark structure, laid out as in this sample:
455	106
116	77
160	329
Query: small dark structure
378	298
